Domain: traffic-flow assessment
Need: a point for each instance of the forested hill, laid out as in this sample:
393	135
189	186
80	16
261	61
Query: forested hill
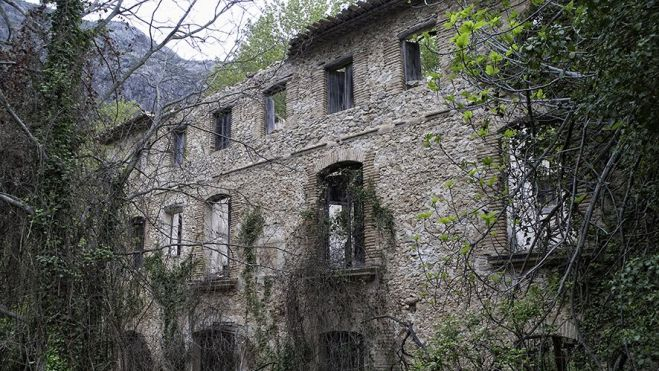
174	76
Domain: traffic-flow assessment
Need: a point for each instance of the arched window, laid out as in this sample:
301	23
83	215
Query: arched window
216	349
342	351
343	214
217	220
135	354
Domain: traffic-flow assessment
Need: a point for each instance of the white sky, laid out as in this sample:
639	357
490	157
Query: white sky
215	42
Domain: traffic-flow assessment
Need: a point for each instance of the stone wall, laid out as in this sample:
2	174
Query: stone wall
278	172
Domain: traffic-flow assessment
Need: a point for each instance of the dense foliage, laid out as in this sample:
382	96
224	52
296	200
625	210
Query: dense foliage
266	40
569	90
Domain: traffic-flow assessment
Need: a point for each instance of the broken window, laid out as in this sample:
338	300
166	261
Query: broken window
275	108
218	222
339	87
420	54
178	151
342	351
137	241
216	350
135	354
174	224
535	212
222	129
344	215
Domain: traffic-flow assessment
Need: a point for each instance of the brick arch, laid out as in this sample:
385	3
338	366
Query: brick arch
338	156
371	176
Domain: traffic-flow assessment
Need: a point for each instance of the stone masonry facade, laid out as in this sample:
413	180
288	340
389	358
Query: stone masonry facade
277	296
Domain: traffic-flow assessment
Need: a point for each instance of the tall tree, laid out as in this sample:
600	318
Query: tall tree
266	40
62	228
567	87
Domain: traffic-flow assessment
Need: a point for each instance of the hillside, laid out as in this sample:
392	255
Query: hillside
175	76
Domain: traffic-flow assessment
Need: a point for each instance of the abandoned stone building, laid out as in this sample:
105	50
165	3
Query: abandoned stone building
298	193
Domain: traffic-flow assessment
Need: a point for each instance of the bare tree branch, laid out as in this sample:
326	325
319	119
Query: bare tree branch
16	202
22	124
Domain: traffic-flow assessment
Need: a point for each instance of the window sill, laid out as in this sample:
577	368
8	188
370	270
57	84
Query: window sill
414	83
524	260
345	111
214	283
362	274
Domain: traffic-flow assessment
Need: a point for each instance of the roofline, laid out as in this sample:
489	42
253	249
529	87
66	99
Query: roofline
137	123
354	13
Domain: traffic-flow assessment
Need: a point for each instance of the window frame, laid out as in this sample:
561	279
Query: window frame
223	121
354	249
340	97
208	231
413	77
271	123
533	210
175	242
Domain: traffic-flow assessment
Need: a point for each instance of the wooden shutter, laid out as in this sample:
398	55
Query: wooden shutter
227	129
348	88
269	114
412	53
179	233
219	118
333	91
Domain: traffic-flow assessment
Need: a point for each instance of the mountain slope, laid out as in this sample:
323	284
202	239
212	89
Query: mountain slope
174	77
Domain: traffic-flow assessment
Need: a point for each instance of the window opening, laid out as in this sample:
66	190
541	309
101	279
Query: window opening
135	351
275	109
343	213
222	129
340	87
548	352
179	146
217	350
175	225
420	55
342	351
137	236
218	222
534	211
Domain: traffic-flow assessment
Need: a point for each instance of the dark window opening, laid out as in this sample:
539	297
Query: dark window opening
344	216
137	239
222	129
342	351
420	55
216	350
340	87
548	353
179	146
135	352
275	109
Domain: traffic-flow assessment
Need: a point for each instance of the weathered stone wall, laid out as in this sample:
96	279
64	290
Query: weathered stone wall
278	173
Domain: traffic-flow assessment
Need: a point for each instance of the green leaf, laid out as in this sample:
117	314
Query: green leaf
490	70
424	215
462	40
